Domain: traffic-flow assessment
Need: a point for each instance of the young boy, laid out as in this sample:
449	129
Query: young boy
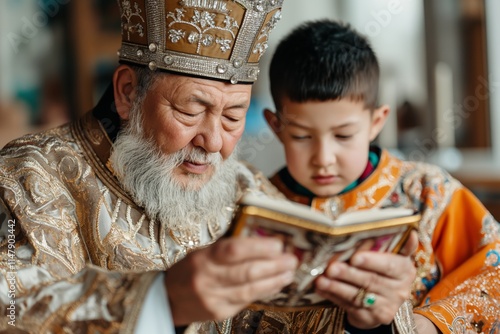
324	81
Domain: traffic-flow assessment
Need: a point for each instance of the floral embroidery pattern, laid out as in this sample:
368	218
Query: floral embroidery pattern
261	5
128	13
204	24
260	48
489	230
493	258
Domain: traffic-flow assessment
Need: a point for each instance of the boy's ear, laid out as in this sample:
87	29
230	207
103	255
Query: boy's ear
124	87
379	117
273	121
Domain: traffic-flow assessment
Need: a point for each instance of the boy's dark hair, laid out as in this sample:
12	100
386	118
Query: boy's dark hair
324	60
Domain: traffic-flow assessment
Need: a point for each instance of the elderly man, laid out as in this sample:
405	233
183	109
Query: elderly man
111	223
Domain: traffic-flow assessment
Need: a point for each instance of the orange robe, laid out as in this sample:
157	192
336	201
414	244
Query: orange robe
458	257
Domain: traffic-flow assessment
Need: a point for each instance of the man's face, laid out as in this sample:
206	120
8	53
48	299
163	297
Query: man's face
174	155
326	143
181	112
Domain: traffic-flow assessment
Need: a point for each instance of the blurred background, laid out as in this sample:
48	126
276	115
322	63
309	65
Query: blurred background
440	64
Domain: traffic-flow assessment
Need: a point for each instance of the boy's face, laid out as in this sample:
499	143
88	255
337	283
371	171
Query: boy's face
326	143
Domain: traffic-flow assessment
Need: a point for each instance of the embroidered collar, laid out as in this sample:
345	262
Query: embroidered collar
95	132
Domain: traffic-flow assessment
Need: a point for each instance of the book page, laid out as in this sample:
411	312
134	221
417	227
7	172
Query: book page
362	216
286	207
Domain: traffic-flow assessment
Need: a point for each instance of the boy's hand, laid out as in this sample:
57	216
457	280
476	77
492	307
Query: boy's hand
424	325
216	282
385	277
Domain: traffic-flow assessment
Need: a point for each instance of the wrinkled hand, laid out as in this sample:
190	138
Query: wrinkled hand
216	282
388	276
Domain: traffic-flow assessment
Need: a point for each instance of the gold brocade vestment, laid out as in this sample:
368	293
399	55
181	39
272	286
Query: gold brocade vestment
78	255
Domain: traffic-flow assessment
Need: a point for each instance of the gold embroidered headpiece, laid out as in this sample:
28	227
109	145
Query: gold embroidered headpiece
220	39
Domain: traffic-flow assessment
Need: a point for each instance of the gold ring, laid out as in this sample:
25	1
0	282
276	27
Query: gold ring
360	296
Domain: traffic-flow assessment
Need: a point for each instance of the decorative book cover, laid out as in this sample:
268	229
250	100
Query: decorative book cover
315	240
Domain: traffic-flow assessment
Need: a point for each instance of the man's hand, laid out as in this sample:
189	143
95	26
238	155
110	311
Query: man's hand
216	282
387	276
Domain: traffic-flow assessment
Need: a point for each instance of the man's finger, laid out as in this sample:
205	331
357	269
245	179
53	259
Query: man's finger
239	249
250	271
260	289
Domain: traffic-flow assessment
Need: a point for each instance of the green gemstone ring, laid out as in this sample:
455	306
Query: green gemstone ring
369	300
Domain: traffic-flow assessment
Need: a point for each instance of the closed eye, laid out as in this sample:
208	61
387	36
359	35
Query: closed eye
300	137
342	137
232	123
188	114
232	119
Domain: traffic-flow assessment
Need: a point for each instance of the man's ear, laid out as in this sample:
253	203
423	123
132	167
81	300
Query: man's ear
274	122
124	85
379	117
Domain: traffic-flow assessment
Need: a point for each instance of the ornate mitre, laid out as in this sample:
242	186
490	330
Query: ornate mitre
220	39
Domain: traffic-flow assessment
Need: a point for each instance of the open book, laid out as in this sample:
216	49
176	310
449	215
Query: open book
315	240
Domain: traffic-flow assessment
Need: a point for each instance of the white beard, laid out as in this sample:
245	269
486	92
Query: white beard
146	173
